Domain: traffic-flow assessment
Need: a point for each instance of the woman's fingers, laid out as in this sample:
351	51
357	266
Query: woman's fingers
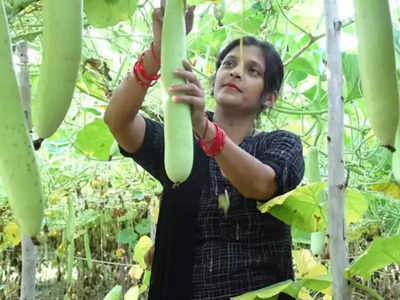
195	101
189	16
189	88
187	74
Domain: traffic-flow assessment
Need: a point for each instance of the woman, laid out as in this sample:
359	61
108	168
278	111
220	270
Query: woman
202	250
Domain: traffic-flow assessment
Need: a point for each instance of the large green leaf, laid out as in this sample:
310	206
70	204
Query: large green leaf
271	292
355	206
318	283
382	252
301	207
103	13
298	208
304	65
95	140
127	236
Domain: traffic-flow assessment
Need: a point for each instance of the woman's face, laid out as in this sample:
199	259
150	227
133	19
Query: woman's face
239	82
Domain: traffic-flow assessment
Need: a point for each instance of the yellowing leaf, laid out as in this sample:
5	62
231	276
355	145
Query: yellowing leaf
391	189
303	295
141	248
119	253
303	209
13	233
155	214
132	293
136	272
307	266
299	208
327	297
209	68
62	249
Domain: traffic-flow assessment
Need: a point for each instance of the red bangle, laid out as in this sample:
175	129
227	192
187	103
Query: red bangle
217	145
137	77
142	71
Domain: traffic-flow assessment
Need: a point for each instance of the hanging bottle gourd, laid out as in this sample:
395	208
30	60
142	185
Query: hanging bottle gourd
18	167
378	68
178	157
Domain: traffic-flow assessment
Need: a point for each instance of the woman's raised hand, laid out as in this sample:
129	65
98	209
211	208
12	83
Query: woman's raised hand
191	93
158	15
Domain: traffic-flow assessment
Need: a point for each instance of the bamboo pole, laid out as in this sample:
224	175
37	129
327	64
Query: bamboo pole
29	250
336	178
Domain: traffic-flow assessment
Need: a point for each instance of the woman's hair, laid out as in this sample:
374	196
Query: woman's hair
273	75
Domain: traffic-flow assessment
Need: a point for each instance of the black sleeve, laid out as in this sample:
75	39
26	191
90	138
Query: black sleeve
150	155
282	151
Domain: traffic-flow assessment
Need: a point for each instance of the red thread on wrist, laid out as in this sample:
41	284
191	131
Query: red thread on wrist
139	70
217	145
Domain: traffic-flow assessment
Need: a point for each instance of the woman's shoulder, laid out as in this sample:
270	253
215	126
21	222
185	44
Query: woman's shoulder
276	134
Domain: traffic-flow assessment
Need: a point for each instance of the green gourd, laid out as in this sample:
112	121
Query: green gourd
178	132
114	294
62	44
313	175
378	68
18	167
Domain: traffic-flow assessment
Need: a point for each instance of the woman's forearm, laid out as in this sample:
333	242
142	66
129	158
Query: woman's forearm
127	99
252	178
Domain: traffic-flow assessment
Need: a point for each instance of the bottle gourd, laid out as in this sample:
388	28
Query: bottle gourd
18	167
378	68
62	44
178	133
313	175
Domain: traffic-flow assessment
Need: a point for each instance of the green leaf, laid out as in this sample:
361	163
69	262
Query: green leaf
103	13
301	207
382	252
95	140
317	283
355	206
299	236
127	236
304	65
270	292
143	227
114	294
146	278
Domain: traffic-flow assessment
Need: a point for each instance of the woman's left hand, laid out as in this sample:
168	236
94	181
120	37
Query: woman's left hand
191	93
